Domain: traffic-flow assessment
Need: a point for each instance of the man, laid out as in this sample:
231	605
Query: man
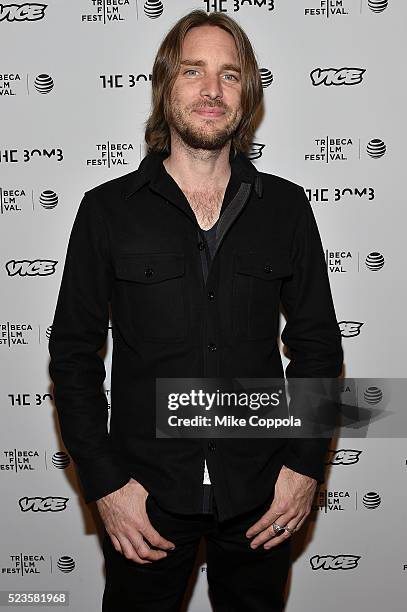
186	304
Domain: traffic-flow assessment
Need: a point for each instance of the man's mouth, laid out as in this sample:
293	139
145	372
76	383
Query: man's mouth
210	112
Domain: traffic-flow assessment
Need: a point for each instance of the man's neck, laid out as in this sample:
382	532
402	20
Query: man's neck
199	169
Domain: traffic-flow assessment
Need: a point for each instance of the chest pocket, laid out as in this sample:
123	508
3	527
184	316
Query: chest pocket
256	292
153	286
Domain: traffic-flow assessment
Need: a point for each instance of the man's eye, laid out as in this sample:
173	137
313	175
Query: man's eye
228	75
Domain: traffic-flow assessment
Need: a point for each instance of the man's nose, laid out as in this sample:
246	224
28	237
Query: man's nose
212	87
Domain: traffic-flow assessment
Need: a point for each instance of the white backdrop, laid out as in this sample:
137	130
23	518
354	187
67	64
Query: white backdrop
74	93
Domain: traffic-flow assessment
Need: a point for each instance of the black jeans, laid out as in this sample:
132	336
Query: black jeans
240	579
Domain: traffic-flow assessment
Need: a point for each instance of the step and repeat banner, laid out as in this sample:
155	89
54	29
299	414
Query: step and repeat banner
74	95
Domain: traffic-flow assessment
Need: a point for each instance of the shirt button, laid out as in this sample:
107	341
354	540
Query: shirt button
212	346
211	295
149	272
201	246
211	445
267	268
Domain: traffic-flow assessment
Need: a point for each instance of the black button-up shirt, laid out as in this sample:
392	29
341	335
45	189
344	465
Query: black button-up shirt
210	240
136	252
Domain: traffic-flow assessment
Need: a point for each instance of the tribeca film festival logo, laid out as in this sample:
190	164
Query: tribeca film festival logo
225	6
341	262
13	156
15	334
329	149
338	8
23	564
111	154
334	562
13	84
327	500
108	11
12	333
18	200
29	11
30	460
18	333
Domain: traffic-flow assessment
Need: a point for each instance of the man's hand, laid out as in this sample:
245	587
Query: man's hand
291	505
124	515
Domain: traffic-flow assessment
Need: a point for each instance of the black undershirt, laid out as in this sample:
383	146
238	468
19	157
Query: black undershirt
210	235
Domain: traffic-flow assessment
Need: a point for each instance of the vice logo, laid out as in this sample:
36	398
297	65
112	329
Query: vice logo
43	504
334	562
350	329
37	267
337	76
22	12
256	150
344	456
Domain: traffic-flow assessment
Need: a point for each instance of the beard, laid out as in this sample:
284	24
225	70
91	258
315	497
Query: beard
203	134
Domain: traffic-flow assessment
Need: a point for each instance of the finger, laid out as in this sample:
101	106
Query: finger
144	551
301	523
129	551
294	525
284	535
268	533
116	543
264	521
154	538
277	540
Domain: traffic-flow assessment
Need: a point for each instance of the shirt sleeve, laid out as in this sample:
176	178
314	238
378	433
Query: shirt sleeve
79	331
311	333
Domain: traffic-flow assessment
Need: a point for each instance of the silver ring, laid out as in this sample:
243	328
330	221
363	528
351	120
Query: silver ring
278	529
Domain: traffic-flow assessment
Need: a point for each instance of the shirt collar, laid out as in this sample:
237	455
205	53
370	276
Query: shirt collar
150	166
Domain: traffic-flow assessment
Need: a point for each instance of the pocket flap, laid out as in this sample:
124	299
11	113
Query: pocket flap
267	266
150	267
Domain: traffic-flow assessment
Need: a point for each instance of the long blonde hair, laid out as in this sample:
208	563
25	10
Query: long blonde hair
165	71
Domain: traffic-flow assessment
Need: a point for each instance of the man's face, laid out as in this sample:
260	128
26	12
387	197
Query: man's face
205	100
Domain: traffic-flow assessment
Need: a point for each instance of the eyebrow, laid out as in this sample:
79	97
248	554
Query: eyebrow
194	62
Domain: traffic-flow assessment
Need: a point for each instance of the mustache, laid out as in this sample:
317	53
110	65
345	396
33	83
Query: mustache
211	106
